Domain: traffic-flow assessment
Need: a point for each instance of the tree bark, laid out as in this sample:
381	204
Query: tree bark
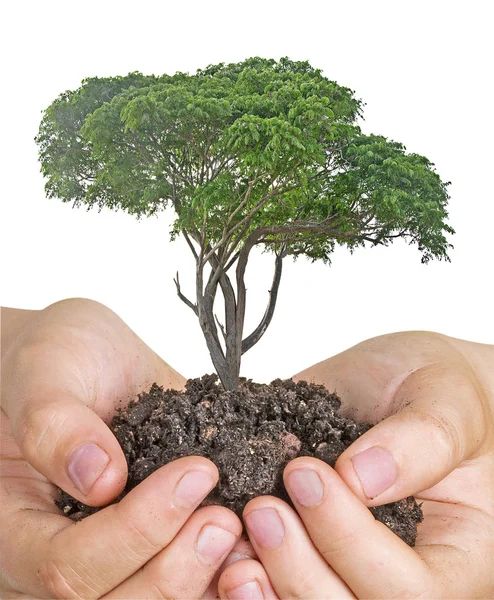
259	331
227	366
205	314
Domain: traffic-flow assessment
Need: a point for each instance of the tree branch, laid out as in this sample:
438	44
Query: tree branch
231	261
244	201
218	273
194	252
183	298
248	218
259	331
248	221
227	234
217	171
220	326
294	240
326	226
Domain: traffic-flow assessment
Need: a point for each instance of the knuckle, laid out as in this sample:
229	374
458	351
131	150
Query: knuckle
335	547
447	433
28	353
165	583
74	302
305	587
159	593
17	362
80	306
41	428
135	537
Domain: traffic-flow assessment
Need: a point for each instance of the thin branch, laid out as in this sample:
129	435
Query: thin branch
263	201
190	244
245	200
217	171
230	263
220	326
226	285
294	240
183	298
327	226
237	241
259	331
247	219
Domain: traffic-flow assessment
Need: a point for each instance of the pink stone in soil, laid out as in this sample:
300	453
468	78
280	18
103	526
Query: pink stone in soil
290	443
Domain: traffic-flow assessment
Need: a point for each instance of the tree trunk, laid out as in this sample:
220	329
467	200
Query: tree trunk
227	363
227	367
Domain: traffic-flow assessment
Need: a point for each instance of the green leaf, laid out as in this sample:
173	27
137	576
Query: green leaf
270	142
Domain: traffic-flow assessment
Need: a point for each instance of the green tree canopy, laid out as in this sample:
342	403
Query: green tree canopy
258	153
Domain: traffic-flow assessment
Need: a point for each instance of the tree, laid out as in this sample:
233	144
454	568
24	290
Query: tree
254	154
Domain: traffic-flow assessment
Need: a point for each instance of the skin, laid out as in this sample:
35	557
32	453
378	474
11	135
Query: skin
67	368
433	397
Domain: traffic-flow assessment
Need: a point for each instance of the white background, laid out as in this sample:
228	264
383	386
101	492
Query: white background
424	70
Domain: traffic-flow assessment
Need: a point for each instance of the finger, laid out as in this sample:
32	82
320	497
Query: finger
440	425
89	558
373	561
293	564
242	550
59	435
246	580
187	565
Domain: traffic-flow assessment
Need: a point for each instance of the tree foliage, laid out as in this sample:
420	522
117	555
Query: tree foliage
139	142
258	153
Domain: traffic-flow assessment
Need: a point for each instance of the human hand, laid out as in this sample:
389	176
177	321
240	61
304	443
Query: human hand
433	399
65	370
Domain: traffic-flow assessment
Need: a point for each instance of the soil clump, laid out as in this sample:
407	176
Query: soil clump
250	434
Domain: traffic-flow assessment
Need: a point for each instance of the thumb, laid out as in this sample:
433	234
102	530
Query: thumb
440	423
57	433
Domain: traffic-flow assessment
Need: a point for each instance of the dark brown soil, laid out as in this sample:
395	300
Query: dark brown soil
250	435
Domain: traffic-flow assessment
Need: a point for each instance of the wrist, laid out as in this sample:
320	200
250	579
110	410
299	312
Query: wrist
12	321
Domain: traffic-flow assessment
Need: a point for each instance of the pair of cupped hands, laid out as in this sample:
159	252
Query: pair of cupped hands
67	368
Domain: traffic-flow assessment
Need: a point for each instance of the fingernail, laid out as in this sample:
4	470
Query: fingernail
266	527
376	469
85	465
248	591
306	486
234	557
192	488
214	542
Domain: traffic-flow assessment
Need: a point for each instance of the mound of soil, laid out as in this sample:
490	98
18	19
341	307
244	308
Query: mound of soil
250	435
